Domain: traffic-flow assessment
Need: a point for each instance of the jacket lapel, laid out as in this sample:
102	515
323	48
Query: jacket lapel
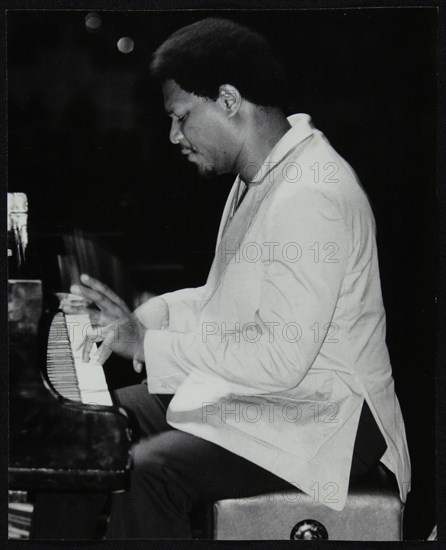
230	201
233	229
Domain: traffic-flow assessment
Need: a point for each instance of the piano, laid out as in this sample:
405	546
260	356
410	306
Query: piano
65	431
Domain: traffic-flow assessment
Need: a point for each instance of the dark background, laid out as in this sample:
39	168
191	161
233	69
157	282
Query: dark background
88	143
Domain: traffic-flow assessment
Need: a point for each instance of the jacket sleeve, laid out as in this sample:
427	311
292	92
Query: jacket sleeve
184	307
174	310
296	292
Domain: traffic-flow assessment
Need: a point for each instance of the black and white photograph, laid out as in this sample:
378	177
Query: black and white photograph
222	273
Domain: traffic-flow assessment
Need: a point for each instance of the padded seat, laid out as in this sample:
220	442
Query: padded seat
373	511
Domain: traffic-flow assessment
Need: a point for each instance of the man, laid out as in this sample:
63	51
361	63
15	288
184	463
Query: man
278	365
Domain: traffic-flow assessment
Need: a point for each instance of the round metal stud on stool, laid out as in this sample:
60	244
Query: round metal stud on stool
309	529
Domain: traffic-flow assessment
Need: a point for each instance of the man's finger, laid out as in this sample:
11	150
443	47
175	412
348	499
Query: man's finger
137	366
101	301
104	350
87	347
85	292
73	309
95	316
102	288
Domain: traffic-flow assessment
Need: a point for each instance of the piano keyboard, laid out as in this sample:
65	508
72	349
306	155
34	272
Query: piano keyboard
67	372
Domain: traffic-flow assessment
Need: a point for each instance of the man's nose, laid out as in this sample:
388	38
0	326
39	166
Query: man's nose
175	135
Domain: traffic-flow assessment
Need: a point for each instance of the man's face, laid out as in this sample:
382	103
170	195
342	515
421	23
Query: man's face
202	129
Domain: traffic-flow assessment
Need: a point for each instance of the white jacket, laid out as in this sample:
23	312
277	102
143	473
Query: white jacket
273	357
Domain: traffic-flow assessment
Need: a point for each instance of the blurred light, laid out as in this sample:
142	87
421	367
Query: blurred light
125	44
93	22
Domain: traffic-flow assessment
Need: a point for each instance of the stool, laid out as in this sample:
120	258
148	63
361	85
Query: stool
373	511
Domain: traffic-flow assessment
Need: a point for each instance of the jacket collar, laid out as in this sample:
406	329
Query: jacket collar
301	128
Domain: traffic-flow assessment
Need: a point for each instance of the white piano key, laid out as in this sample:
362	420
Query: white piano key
90	376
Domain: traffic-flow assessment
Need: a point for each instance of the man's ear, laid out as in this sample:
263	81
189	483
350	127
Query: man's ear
230	99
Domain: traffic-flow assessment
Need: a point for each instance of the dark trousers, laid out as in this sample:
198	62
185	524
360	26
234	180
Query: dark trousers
173	473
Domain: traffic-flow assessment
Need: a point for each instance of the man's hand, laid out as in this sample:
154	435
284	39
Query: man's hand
113	323
125	337
111	307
